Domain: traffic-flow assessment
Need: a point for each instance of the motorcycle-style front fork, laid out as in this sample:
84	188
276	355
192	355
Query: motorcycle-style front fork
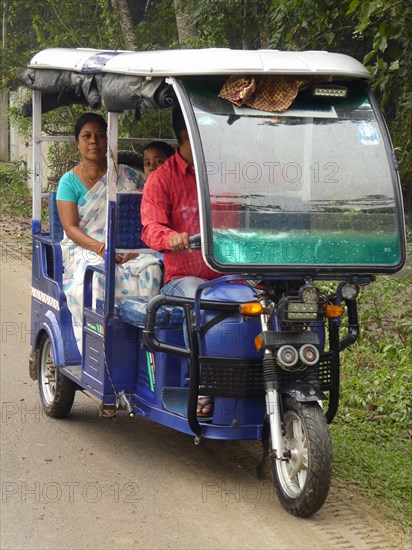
273	410
272	396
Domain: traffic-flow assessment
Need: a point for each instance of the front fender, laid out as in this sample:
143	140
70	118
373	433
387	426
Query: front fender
302	391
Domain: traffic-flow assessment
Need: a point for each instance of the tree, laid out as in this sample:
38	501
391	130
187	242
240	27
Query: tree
31	26
186	28
122	10
238	24
389	59
376	32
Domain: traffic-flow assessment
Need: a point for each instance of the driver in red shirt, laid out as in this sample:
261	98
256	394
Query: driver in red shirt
170	214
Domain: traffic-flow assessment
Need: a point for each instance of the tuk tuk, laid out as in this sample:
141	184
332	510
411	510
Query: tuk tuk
300	205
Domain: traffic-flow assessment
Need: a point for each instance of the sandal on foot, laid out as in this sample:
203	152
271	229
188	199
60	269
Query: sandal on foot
204	403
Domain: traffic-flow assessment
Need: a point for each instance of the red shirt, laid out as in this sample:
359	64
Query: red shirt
170	206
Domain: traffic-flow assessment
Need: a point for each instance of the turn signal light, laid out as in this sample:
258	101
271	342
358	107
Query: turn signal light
334	311
251	308
259	342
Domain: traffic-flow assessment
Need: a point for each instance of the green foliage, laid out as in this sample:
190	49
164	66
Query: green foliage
376	33
390	61
153	124
313	24
15	197
32	26
158	29
376	466
371	434
236	23
61	156
377	370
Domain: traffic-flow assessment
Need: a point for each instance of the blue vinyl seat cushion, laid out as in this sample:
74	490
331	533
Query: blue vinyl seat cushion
56	228
133	311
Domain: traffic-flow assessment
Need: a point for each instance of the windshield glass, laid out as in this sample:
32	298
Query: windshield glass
310	185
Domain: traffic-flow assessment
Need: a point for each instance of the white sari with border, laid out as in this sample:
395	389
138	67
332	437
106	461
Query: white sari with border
139	277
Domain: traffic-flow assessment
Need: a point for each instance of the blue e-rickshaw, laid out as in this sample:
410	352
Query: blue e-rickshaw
300	205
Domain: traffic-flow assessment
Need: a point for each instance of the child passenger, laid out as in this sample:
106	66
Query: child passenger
155	154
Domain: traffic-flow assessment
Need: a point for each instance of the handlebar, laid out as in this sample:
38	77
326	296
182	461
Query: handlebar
195	242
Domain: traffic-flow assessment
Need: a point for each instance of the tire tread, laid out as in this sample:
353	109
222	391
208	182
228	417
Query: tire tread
316	489
65	388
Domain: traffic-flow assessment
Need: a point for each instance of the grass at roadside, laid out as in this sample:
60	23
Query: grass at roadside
378	467
372	431
15	196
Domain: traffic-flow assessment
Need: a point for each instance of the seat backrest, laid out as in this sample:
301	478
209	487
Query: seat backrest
129	222
56	228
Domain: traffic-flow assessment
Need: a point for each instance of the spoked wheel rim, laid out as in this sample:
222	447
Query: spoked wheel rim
293	472
48	373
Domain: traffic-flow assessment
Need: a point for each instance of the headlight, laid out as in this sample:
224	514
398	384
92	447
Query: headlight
299	311
309	355
309	294
349	291
287	356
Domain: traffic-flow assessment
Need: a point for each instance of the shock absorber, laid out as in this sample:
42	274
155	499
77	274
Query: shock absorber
270	375
272	396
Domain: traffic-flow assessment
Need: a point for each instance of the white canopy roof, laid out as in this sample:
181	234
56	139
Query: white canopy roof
200	62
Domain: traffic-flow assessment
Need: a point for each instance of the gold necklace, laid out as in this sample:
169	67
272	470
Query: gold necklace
92	181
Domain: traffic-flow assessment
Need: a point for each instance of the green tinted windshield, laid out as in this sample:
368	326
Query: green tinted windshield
309	186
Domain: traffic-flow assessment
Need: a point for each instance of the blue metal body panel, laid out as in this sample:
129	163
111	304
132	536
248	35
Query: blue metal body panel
49	307
209	430
232	336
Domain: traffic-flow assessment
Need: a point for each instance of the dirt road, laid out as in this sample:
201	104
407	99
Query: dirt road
85	483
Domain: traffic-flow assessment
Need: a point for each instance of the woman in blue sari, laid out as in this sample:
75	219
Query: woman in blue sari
81	202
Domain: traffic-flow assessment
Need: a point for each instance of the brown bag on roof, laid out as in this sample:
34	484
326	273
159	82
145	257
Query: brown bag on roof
266	93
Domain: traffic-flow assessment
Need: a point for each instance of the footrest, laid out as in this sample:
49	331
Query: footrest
175	400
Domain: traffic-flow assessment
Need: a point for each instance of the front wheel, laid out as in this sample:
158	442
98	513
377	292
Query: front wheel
56	390
302	481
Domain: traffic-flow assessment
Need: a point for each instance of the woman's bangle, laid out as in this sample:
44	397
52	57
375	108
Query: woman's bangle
100	250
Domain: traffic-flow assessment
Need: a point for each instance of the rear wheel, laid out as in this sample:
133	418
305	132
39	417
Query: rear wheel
302	481
56	390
